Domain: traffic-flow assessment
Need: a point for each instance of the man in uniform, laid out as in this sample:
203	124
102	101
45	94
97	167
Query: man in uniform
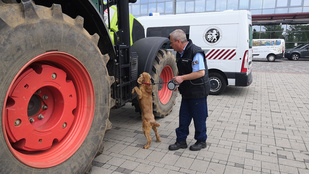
194	87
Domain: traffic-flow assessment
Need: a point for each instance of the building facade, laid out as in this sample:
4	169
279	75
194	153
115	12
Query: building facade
256	7
294	33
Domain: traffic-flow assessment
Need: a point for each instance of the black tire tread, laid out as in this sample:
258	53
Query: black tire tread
163	57
27	13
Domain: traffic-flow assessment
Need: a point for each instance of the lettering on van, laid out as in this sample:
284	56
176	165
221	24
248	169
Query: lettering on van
212	35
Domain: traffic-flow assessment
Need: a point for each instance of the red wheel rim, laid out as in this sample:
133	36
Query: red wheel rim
166	75
48	110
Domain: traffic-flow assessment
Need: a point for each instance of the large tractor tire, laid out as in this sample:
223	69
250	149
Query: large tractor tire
54	93
164	69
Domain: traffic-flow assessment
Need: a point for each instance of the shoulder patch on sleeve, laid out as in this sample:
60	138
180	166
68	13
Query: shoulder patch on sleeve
195	62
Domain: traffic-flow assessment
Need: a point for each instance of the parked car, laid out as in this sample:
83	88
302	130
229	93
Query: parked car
300	51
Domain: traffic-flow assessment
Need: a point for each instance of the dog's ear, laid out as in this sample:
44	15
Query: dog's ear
140	79
147	77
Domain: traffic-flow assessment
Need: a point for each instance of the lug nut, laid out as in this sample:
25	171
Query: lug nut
17	122
44	107
31	120
64	125
54	76
45	97
40	117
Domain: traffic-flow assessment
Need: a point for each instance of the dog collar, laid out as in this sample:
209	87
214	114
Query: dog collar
146	83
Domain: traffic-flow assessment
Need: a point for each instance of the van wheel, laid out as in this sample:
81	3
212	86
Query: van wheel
271	58
217	83
295	56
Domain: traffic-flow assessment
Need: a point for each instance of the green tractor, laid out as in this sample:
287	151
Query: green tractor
64	65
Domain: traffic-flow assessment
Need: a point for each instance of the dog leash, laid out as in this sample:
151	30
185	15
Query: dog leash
155	83
171	85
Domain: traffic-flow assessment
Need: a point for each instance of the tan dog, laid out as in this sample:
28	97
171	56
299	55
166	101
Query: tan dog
144	93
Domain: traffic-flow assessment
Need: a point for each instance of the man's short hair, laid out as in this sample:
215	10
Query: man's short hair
179	34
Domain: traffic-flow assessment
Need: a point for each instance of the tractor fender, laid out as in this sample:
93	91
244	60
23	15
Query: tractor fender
147	49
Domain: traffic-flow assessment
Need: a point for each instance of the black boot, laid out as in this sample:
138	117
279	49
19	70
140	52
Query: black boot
198	146
177	146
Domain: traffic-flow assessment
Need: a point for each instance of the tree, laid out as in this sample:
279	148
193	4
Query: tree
297	34
274	31
270	32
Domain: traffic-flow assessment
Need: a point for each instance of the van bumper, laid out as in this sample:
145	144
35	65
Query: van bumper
241	79
279	56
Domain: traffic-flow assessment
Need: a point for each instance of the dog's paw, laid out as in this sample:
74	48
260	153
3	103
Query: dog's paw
159	140
133	90
146	146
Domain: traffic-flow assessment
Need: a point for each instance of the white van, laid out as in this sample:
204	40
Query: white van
226	38
270	49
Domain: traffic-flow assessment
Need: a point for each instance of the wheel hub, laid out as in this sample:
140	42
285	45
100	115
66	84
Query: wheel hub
34	105
214	84
36	111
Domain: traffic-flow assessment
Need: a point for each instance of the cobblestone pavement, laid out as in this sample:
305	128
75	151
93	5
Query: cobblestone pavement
262	128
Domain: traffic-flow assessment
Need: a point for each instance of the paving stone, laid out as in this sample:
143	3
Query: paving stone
199	166
184	162
262	128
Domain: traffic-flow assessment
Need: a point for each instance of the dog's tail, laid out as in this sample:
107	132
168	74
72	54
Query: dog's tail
155	124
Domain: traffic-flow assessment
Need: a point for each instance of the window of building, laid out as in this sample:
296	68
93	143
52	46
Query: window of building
295	10
296	2
135	9
269	4
180	7
189	6
306	2
210	5
243	4
282	3
200	6
232	4
221	5
268	11
281	10
144	9
256	4
152	8
143	1
256	12
169	8
305	9
160	7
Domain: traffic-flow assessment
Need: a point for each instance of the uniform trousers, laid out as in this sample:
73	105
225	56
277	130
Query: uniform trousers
195	109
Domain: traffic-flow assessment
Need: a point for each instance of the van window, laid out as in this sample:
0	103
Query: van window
266	42
165	31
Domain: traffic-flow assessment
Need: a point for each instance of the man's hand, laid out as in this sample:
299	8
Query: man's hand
178	79
191	76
